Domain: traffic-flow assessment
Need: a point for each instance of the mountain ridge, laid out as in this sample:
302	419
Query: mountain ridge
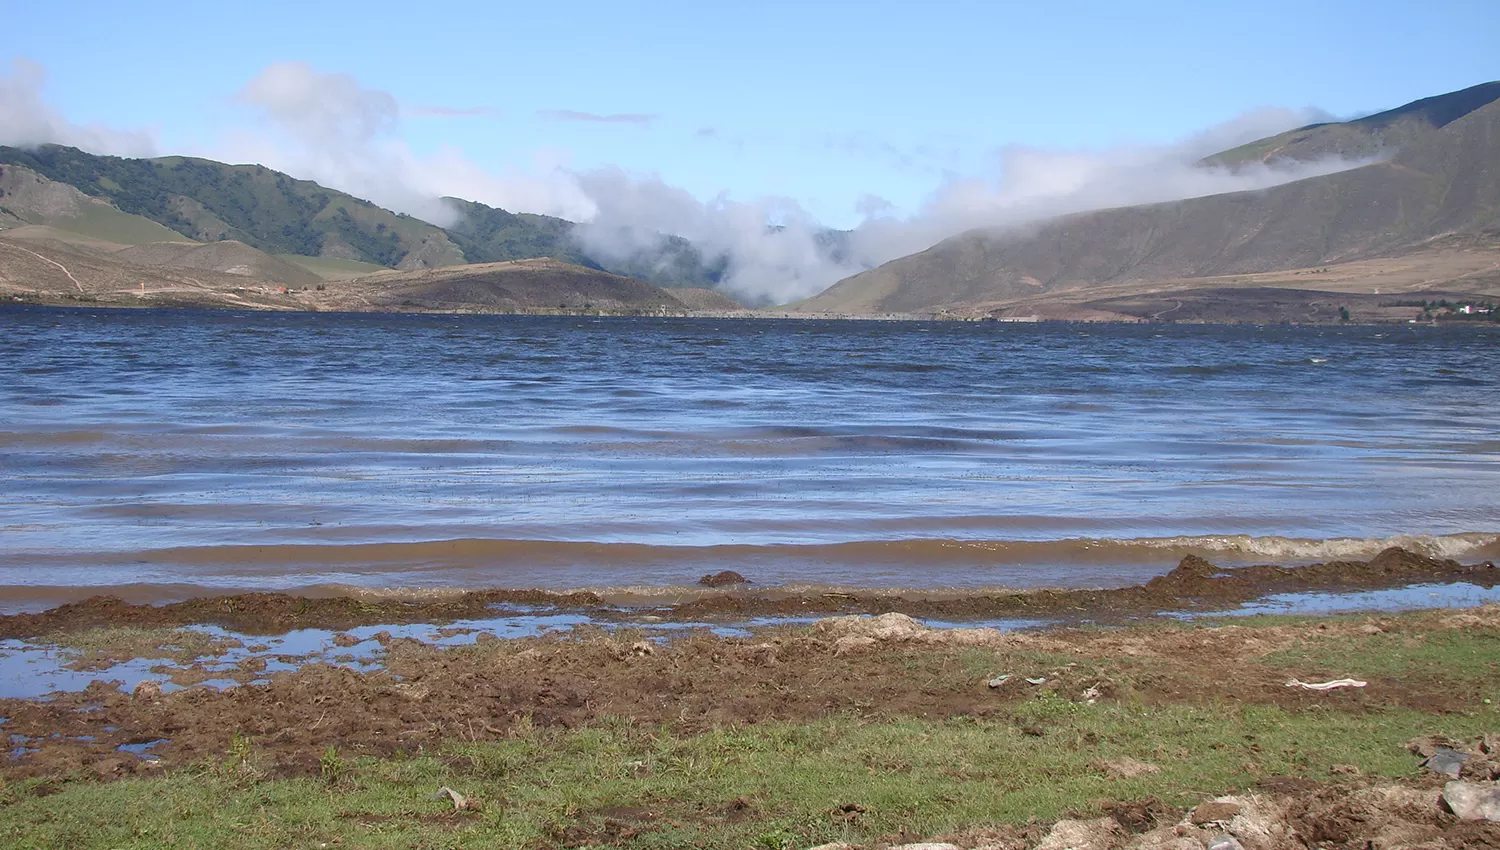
1445	184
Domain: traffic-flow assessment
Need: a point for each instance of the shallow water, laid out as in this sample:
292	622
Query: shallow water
161	454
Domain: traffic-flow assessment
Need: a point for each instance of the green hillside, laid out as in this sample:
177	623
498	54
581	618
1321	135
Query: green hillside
210	201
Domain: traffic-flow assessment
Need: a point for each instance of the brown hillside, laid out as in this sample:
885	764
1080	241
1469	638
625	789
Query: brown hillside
1449	184
542	284
229	257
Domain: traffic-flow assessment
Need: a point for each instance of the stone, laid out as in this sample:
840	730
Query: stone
1097	834
1215	811
1473	801
852	643
724	578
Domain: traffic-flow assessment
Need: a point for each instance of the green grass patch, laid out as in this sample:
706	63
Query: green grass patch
329	268
773	786
1457	655
121	643
104	222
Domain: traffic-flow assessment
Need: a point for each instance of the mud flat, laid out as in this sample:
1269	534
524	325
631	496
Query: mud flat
272	721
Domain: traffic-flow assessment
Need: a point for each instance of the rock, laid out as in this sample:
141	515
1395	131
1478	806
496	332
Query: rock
852	643
998	680
1097	834
460	802
723	579
1214	811
1446	762
1127	768
412	691
1472	801
765	654
1225	842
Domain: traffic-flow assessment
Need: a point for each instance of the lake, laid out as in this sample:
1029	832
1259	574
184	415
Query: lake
158	454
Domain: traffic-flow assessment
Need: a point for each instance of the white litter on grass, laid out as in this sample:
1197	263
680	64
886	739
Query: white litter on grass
1326	686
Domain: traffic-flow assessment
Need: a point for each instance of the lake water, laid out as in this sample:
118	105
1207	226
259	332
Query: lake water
159	454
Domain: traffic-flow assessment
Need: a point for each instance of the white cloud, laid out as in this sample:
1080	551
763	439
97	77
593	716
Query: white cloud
26	120
329	128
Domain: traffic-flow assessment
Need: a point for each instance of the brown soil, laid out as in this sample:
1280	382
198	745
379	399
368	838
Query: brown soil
881	667
1194	585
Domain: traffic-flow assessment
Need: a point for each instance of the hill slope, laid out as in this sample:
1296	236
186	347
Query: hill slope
1362	138
228	257
535	284
210	201
1448	183
27	197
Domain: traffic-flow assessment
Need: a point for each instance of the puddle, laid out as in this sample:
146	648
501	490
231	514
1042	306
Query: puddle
1412	598
142	750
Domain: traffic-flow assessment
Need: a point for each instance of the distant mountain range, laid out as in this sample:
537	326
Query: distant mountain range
1437	191
208	201
1418	224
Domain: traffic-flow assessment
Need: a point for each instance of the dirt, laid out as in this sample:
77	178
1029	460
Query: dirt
887	666
1194	585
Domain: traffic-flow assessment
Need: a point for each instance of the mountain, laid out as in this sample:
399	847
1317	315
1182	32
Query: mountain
1445	186
37	269
28	198
1363	138
207	201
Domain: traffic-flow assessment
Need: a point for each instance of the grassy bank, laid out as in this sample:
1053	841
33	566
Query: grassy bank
1042	752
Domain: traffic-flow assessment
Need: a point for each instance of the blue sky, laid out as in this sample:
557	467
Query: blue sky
907	122
821	102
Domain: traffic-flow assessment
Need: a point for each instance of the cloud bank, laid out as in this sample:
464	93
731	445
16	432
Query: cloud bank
26	120
330	128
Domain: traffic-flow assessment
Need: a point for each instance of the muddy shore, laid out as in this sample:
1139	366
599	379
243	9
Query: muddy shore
1194	585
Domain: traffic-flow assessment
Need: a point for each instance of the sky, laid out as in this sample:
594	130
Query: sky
906	122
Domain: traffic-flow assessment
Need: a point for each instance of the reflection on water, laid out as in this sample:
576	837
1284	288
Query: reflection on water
194	450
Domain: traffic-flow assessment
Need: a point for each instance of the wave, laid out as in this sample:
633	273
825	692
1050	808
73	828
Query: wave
917	552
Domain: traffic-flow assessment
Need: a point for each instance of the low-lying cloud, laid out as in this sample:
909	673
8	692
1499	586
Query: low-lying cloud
330	128
777	252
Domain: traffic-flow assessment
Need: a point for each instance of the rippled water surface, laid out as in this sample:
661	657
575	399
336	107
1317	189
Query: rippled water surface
161	452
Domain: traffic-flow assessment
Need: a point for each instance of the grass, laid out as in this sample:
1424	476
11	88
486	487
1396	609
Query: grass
776	785
329	268
104	222
1458	656
120	643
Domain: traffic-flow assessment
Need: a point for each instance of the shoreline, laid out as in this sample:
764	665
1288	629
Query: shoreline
1194	585
753	314
846	732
